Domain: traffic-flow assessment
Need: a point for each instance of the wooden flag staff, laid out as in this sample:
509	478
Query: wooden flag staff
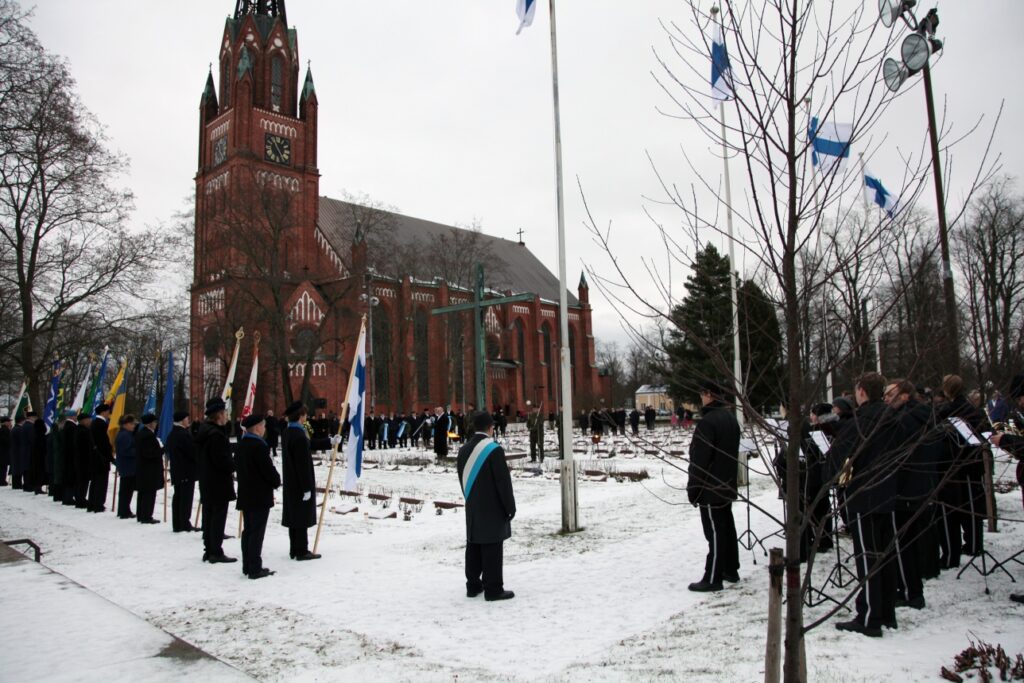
341	427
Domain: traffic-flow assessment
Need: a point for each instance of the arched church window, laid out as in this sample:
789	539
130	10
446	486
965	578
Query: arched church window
276	82
422	353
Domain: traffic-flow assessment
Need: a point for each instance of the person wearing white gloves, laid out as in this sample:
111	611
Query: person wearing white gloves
299	506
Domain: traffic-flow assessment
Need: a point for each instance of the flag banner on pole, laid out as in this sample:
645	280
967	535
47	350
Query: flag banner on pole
167	409
876	192
95	396
76	405
721	72
150	407
22	406
525	9
50	410
226	394
250	394
356	409
117	403
830	144
116	385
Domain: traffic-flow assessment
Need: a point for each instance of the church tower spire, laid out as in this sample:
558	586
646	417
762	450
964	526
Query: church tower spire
268	8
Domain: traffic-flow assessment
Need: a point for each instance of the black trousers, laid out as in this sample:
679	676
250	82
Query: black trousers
947	528
252	539
972	516
484	568
181	504
82	489
3	471
723	549
98	491
928	546
145	504
876	569
298	541
536	445
215	516
913	536
124	497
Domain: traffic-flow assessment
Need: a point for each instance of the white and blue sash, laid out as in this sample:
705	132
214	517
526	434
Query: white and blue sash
476	461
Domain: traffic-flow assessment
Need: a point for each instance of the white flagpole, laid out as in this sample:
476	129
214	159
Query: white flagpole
226	394
570	508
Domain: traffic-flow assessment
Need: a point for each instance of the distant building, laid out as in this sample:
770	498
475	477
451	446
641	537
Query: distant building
656	396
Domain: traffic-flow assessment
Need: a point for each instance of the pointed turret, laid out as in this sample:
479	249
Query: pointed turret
583	290
308	89
307	100
208	104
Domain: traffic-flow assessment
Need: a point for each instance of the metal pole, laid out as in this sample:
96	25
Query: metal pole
570	510
369	344
478	336
737	366
940	200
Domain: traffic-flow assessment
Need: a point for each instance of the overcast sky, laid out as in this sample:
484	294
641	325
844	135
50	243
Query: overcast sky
439	109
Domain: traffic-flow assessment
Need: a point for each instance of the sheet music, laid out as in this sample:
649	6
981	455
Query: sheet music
965	431
821	441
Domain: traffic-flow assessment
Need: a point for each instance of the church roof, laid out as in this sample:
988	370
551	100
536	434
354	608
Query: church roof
524	271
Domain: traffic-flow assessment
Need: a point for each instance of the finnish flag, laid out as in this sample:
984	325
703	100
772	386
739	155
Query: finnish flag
830	145
721	72
876	192
356	409
525	9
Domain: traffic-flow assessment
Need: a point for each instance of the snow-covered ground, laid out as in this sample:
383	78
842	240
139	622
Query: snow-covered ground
387	601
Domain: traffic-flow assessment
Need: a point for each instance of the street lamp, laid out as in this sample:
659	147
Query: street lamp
915	53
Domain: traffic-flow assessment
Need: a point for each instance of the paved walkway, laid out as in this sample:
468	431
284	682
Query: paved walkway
54	629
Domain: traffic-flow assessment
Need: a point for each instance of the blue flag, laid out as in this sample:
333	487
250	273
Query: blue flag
876	192
97	397
525	9
830	145
721	72
50	411
150	407
167	409
356	400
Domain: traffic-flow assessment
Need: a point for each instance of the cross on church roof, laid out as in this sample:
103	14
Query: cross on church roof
520	233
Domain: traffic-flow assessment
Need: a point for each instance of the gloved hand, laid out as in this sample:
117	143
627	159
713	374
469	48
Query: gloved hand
306	496
336	440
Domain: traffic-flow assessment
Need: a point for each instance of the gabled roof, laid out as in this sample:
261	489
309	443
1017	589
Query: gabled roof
524	271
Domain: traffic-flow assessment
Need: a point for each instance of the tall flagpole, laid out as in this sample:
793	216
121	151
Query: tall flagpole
570	509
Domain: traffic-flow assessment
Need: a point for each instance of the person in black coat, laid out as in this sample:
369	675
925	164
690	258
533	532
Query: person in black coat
257	479
126	460
216	485
69	458
149	475
5	448
299	481
1014	443
102	458
650	417
17	473
711	486
490	509
84	457
634	421
181	455
442	424
370	430
36	458
868	448
32	480
272	434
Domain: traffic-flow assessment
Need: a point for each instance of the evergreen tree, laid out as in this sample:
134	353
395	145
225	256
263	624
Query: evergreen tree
760	347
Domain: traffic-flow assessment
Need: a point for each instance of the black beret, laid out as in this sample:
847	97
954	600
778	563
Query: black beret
180	415
215	405
84	416
482	421
822	409
148	418
103	408
1017	386
31	413
252	420
295	409
844	404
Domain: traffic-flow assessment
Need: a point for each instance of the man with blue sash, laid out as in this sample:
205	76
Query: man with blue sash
257	479
490	507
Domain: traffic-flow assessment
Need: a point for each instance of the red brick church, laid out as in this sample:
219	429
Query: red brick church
273	256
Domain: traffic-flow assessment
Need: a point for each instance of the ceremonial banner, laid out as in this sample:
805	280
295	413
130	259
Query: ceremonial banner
119	390
23	404
877	193
50	410
356	399
250	394
79	401
95	396
721	72
525	9
167	409
830	145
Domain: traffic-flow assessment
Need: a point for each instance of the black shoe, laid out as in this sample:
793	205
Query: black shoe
261	574
503	595
705	587
913	603
149	521
892	625
855	626
478	591
220	559
825	545
308	556
1017	597
731	577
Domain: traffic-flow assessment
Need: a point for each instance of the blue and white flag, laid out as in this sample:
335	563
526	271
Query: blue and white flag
50	411
150	407
721	72
167	409
876	192
356	401
525	9
830	145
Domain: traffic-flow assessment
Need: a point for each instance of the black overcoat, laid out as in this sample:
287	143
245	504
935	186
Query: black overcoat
149	454
216	484
84	452
181	453
713	452
298	477
257	476
103	452
491	504
67	453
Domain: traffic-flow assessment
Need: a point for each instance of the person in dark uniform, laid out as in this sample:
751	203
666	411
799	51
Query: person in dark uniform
1014	443
102	458
257	479
126	463
216	485
5	448
84	458
370	430
711	486
28	435
69	458
36	455
442	424
535	425
650	417
298	511
490	509
17	473
181	454
149	476
273	432
866	452
634	421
